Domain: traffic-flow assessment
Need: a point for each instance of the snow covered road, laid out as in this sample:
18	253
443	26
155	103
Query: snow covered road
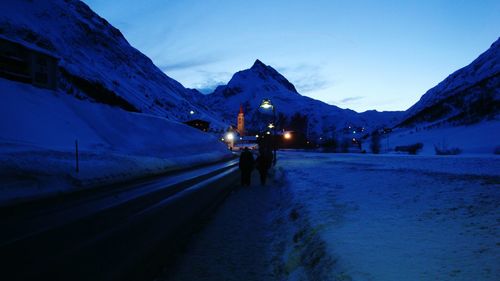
356	217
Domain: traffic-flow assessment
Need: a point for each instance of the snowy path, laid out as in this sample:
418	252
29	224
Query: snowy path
235	243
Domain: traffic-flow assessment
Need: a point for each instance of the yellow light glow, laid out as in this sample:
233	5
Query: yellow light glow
230	136
287	135
266	104
270	126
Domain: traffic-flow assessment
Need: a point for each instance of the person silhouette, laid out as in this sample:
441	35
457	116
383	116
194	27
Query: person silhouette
246	166
263	163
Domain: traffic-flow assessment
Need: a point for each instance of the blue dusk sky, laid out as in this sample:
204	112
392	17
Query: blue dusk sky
361	55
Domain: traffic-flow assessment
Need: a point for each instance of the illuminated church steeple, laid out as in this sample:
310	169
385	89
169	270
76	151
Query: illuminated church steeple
241	121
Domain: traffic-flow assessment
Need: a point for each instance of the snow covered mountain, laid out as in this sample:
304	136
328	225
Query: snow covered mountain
469	95
459	113
95	61
249	87
111	105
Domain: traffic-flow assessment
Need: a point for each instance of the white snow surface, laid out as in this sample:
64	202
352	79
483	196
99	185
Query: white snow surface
395	217
37	143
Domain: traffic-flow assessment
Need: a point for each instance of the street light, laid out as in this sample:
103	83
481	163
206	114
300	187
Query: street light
230	139
287	135
266	104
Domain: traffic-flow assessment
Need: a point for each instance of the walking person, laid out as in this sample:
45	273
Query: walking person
264	162
246	166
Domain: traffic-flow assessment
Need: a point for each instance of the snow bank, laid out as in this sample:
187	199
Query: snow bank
39	129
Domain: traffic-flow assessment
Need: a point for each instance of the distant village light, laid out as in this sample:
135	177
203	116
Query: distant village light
270	126
287	135
191	112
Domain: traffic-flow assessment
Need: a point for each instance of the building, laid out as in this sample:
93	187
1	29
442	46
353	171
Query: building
241	122
23	64
293	139
199	124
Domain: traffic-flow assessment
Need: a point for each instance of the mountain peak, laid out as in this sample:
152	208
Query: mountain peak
258	64
266	72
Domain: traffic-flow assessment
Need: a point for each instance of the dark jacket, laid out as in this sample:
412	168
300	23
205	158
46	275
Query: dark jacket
246	160
264	161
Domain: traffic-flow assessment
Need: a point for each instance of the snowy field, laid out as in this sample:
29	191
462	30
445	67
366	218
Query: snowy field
388	217
355	217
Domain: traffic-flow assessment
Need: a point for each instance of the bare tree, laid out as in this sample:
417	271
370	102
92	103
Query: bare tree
375	142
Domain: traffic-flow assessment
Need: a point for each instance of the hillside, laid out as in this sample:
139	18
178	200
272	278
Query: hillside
460	112
95	61
249	87
469	95
113	116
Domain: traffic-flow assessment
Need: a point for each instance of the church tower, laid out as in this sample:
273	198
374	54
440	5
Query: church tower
241	121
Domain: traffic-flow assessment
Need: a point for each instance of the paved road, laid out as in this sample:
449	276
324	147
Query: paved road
109	235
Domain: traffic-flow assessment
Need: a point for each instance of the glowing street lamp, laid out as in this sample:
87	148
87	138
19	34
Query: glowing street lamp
266	105
287	135
191	112
230	140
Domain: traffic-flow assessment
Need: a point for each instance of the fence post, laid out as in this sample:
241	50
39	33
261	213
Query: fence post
76	156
